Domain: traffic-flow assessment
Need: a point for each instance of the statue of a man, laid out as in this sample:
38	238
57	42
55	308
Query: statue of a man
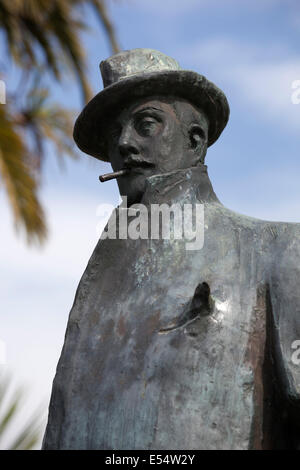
168	347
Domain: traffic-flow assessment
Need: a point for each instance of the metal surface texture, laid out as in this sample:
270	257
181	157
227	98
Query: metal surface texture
170	348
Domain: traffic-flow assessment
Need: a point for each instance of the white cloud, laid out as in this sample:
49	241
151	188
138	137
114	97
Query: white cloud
267	88
261	77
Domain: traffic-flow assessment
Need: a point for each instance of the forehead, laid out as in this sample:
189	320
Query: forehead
172	106
154	104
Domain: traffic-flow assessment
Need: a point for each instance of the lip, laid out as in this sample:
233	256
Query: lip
136	171
138	166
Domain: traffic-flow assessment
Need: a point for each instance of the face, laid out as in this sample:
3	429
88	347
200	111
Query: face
154	136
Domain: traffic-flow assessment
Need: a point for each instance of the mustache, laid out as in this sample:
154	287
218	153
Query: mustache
131	162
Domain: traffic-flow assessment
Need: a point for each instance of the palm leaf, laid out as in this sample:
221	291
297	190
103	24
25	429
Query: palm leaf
65	31
10	405
29	435
54	27
20	185
39	33
101	10
42	39
48	122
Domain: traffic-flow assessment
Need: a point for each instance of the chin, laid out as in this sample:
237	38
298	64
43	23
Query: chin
134	189
134	197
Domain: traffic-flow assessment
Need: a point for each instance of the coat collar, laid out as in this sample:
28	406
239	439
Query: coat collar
186	185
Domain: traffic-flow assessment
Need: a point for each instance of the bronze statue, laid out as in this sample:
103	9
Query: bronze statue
166	347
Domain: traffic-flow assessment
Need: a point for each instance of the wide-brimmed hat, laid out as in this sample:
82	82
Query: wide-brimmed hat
137	73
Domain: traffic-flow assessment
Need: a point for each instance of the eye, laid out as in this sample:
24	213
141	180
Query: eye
146	126
197	135
115	131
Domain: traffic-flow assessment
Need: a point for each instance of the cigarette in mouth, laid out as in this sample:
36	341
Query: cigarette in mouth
111	176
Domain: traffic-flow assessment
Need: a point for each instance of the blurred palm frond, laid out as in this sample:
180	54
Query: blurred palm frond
53	28
41	36
19	182
10	406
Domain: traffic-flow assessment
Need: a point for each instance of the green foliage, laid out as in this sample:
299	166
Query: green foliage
10	403
40	37
19	182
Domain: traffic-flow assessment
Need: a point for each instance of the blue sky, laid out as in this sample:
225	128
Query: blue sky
250	49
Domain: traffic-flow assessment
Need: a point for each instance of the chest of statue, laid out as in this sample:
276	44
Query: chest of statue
134	381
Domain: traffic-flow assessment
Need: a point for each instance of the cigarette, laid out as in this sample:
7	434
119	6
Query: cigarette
111	176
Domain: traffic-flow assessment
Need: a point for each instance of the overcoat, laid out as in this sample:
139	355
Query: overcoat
228	379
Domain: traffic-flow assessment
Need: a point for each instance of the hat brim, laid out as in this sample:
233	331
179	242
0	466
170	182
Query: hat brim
90	126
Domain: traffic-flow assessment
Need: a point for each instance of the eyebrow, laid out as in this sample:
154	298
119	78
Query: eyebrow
148	108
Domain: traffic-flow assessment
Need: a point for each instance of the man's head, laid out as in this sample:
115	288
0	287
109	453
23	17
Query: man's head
134	75
152	136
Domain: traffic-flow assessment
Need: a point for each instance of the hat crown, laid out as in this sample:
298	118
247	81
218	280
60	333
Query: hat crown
135	62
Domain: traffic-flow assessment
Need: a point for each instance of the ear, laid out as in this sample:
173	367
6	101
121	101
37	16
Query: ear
198	141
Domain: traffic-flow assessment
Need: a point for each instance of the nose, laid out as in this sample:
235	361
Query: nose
127	144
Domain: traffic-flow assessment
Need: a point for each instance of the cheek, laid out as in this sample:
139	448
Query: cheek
115	158
170	141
